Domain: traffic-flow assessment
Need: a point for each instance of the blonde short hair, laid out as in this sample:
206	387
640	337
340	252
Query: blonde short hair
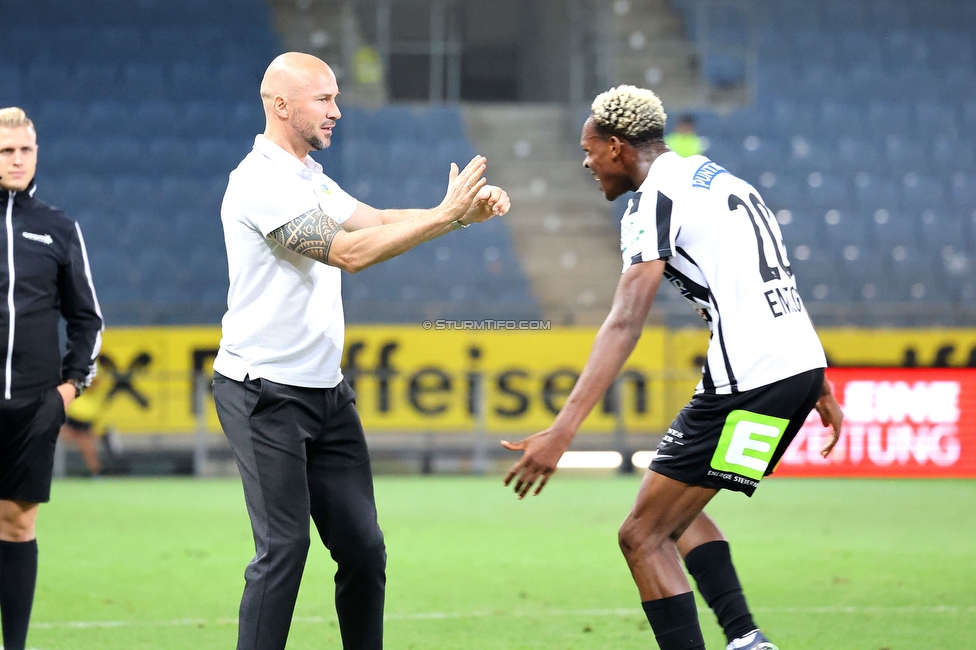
13	117
633	113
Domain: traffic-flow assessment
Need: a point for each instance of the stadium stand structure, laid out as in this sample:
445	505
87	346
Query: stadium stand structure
862	141
144	108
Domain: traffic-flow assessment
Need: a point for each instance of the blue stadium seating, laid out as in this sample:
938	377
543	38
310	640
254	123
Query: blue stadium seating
156	131
879	98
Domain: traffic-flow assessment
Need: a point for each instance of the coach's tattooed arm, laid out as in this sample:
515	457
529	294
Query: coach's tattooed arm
310	235
319	237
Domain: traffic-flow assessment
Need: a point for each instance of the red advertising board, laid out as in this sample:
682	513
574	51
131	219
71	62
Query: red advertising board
898	423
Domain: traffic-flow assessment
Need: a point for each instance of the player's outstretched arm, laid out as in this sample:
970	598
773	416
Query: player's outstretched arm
613	344
318	236
830	415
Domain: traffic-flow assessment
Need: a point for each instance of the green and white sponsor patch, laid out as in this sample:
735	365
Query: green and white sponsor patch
747	443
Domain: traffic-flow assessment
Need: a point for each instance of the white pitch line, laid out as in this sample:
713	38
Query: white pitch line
433	616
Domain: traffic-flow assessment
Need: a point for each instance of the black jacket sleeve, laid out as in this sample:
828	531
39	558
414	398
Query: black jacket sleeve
79	307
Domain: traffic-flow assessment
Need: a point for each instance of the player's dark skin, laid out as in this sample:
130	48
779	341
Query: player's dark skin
666	521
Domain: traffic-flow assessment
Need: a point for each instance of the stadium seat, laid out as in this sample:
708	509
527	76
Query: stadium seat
176	192
828	191
113	44
132	193
67	155
858	47
160	118
804	228
108	118
192	81
74	193
877	192
119	155
850	229
844	14
904	154
364	159
958	83
99	231
920	193
893	228
951	152
724	70
57	119
116	278
903	48
963	190
237	81
218	156
206	119
94	80
143	81
47	81
889	15
11	90
413	158
246	118
787	192
940	228
890	117
172	156
935	118
842	118
172	44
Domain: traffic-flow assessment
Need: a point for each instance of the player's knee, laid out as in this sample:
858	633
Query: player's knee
16	526
635	539
630	538
368	553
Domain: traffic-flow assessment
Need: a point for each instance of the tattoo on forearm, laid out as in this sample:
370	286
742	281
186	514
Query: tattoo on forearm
310	235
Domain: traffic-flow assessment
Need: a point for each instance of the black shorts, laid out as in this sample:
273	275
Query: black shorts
732	441
28	434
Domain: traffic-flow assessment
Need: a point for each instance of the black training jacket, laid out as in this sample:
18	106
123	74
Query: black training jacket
44	275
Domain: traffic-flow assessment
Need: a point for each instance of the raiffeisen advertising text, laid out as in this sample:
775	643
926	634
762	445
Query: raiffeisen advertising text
899	422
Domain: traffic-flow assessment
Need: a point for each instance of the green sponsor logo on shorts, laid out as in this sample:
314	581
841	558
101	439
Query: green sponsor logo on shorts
747	443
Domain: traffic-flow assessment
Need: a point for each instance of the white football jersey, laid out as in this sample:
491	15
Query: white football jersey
725	254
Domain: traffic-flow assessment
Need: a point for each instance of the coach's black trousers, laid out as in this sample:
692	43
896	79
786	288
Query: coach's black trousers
302	452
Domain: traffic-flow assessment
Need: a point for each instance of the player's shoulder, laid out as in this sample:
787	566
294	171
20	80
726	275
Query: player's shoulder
678	177
708	177
51	215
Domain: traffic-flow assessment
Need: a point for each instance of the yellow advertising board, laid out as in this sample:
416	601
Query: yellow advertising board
411	379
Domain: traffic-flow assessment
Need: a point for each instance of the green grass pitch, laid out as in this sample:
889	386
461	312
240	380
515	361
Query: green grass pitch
858	565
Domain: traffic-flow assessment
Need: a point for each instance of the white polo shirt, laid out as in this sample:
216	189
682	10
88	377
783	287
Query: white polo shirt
284	317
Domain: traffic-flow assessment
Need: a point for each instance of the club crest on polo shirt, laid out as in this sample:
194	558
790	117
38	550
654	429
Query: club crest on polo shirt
44	239
324	189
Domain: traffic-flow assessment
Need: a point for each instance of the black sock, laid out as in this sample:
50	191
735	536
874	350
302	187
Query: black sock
18	575
711	566
675	622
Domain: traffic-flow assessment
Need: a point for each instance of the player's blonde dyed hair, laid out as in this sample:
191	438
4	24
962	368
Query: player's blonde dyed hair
633	113
14	117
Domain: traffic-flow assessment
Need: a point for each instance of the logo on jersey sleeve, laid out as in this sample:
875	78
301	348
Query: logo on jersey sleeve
747	444
630	230
706	174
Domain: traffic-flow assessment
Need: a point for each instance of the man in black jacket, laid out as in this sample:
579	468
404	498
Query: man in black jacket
44	276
